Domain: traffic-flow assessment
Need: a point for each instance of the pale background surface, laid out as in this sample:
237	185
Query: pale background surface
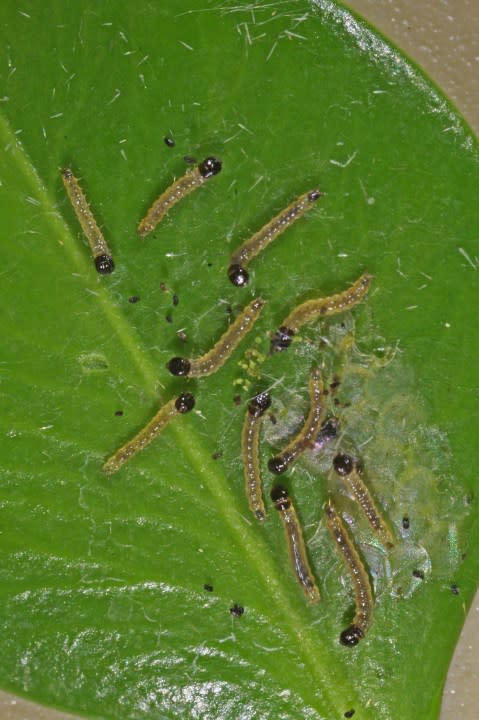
442	36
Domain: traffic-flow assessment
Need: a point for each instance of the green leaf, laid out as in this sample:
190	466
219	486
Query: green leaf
103	606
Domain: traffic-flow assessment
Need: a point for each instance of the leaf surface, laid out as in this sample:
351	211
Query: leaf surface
103	609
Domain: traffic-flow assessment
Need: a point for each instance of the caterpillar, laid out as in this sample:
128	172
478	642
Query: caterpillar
101	253
295	540
211	361
177	406
362	586
250	452
178	190
308	434
351	470
321	307
237	272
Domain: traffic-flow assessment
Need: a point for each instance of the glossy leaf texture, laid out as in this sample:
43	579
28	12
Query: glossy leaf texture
103	608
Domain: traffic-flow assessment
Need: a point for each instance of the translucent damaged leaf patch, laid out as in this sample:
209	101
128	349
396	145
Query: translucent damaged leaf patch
93	362
383	421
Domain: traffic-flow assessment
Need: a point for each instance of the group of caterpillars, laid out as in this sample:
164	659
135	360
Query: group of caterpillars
315	432
316	427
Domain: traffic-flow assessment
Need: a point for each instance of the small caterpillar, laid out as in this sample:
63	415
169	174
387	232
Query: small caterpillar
322	307
211	361
237	272
362	586
250	451
308	434
177	406
294	537
101	253
178	190
351	470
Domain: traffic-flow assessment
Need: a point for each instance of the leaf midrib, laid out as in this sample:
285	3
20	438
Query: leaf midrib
315	656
